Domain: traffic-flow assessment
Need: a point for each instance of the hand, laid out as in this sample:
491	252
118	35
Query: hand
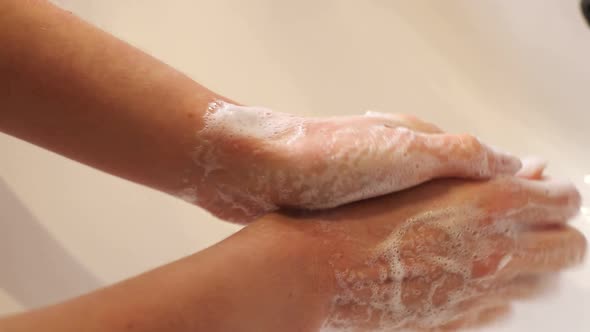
444	255
255	161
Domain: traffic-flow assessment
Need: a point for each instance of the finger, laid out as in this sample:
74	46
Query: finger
487	298
477	318
548	250
505	289
403	120
498	295
490	315
466	156
532	168
526	286
533	203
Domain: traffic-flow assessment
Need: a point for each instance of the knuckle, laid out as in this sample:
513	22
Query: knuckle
408	118
471	142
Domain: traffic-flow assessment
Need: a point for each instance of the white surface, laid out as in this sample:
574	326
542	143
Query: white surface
515	73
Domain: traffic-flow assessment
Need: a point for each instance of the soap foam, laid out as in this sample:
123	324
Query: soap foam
271	160
428	280
253	122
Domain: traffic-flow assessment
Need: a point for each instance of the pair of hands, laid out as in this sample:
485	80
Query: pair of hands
440	256
253	161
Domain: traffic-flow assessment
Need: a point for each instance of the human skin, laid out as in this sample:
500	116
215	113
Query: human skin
442	256
78	91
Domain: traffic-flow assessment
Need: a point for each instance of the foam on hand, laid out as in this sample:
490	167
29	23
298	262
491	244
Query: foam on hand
258	160
456	262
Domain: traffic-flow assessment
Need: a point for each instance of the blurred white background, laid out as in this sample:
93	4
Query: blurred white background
515	73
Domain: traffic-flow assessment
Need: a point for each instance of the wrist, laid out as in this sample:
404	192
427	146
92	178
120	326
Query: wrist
240	159
278	280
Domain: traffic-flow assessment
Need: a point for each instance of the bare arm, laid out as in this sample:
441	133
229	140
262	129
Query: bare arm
76	90
256	280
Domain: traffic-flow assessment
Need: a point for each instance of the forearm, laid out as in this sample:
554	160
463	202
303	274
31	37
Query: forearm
256	281
73	89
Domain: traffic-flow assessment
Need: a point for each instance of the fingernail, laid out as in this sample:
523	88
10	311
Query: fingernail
532	168
506	163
